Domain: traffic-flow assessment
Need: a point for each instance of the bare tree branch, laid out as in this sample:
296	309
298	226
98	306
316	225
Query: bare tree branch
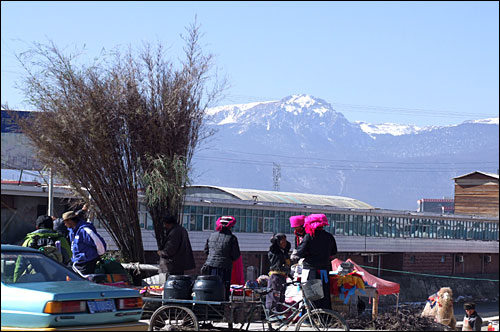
122	123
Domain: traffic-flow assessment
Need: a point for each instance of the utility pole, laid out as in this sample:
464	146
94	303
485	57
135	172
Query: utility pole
50	209
276	176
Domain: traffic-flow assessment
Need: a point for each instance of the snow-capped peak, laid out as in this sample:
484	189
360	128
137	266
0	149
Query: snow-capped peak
301	100
485	121
389	129
239	107
232	113
296	103
395	129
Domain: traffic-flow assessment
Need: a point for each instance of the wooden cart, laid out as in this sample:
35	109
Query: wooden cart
193	315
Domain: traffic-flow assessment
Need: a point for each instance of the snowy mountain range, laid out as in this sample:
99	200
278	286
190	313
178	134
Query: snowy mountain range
399	129
318	151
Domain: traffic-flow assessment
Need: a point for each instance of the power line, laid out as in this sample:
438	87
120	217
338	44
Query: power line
345	107
331	167
404	110
355	161
426	274
363	167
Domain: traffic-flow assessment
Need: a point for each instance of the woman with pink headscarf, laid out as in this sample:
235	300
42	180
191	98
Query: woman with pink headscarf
297	223
317	249
222	250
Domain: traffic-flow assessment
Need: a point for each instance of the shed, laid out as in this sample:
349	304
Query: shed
476	193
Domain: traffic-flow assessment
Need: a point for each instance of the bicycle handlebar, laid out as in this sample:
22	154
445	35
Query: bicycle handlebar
293	282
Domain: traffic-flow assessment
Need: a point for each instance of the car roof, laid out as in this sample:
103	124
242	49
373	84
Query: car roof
11	247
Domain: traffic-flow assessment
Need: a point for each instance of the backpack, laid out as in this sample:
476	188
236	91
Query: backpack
45	243
52	252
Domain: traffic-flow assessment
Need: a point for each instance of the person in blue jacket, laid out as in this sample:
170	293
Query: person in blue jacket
86	244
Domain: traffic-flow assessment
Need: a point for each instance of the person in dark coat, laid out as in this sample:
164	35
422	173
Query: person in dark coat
83	213
60	228
317	249
279	258
222	250
176	255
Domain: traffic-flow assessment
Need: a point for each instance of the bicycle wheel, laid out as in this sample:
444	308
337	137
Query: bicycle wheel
173	318
322	320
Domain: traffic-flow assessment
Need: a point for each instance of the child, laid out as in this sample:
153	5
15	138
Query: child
472	321
279	257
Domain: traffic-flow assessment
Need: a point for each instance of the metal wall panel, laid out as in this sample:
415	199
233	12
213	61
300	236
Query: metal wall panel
355	244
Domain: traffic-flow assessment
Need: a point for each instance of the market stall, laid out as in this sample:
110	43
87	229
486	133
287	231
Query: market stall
370	286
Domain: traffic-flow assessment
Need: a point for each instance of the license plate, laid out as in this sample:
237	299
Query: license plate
101	306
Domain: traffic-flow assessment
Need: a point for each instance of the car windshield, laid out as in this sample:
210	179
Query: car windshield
21	267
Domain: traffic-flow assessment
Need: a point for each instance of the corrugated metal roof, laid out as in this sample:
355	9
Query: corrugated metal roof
208	192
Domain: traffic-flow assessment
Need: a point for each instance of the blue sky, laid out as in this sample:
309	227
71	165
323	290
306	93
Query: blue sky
421	63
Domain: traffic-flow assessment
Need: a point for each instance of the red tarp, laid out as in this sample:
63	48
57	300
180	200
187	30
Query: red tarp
383	287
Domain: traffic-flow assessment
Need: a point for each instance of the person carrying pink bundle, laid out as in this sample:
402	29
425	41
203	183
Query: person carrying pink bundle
222	250
317	249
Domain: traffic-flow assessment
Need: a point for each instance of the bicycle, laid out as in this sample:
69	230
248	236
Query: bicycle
315	319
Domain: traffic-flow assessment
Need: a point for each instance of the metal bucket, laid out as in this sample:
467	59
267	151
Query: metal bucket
178	287
208	288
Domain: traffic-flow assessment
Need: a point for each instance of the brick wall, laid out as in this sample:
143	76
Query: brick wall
428	263
411	262
471	264
392	261
491	267
476	263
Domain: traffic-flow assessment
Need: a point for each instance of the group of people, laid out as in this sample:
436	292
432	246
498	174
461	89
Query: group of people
222	250
71	240
312	245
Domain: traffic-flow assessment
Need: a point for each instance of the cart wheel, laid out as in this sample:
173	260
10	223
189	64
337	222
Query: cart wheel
173	318
322	320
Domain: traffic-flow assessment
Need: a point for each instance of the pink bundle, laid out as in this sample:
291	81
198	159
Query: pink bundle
315	221
296	221
224	221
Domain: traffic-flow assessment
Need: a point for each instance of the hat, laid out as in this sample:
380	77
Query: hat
277	237
469	306
69	215
314	221
225	221
296	221
316	218
345	268
44	222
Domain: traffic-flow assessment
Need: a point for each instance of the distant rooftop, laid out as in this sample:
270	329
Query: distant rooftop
493	175
437	200
215	192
